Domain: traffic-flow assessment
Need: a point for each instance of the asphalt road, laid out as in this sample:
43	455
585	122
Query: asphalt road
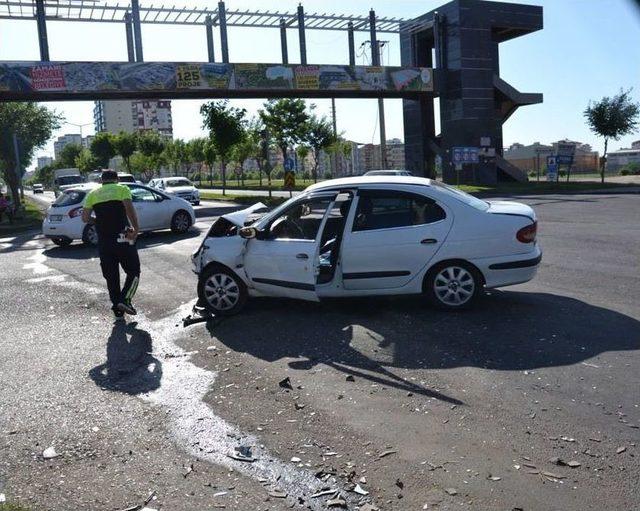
417	407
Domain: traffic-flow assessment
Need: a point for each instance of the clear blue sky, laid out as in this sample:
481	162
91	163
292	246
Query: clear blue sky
587	49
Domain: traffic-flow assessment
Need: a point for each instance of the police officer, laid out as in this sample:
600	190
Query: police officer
117	227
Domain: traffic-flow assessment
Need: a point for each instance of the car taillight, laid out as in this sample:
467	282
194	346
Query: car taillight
75	212
528	234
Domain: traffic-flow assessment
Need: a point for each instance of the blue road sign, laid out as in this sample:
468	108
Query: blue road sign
465	155
289	164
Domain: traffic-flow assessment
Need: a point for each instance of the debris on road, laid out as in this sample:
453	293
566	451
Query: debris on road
494	478
386	453
295	459
3	498
278	494
242	453
337	501
360	490
285	384
322	493
369	507
620	450
350	378
49	453
187	471
451	491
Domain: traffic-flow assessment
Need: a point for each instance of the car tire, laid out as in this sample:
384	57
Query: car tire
196	203
62	242
453	285
180	222
221	291
90	235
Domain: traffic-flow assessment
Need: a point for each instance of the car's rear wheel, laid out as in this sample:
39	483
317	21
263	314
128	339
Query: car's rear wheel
180	222
90	235
221	291
62	242
453	285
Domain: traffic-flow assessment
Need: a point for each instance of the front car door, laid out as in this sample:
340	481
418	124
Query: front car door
284	260
393	235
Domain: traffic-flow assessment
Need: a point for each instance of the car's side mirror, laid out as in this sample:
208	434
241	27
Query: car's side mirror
248	233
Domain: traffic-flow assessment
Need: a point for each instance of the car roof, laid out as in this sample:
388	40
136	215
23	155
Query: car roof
356	181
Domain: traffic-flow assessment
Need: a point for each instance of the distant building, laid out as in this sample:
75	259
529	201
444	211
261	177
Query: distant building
43	161
133	116
533	157
618	159
70	138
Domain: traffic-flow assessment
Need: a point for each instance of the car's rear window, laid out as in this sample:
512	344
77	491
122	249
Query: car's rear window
458	194
69	198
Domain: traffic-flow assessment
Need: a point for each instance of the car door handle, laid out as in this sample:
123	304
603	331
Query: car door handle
429	241
302	256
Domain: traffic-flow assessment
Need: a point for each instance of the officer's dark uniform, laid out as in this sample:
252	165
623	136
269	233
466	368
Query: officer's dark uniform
111	220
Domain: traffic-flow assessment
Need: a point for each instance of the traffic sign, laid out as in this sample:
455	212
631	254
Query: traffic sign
465	155
289	180
289	165
552	168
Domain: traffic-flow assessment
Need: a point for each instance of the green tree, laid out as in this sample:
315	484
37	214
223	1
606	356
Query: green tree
210	156
286	120
175	154
102	149
68	155
226	129
87	162
195	154
303	151
140	165
32	125
254	138
242	151
319	136
612	118
125	145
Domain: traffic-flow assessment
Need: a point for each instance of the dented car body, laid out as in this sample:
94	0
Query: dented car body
377	235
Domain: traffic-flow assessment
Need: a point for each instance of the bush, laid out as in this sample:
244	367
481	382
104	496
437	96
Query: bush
328	174
625	172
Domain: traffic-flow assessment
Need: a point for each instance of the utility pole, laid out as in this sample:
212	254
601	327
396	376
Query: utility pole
334	158
376	59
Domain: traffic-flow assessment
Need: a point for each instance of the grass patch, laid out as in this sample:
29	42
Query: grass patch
30	218
8	506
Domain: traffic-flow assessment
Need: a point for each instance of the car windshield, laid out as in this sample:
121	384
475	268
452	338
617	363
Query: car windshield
178	182
458	194
127	178
69	198
69	180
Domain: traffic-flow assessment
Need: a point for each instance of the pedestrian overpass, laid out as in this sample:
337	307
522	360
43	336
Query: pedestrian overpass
450	53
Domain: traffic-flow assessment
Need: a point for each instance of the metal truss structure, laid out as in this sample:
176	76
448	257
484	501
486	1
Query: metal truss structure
93	10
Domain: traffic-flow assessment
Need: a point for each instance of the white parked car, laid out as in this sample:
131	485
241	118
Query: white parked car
156	211
37	188
178	186
377	235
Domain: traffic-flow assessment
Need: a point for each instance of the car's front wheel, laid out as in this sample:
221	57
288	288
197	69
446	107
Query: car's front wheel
180	222
90	235
221	291
453	285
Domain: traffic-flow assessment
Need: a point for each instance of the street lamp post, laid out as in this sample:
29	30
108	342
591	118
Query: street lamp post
79	126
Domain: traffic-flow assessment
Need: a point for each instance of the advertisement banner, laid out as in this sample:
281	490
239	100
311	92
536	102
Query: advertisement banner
34	79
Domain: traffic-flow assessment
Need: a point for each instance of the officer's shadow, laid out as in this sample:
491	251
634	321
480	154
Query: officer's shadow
130	367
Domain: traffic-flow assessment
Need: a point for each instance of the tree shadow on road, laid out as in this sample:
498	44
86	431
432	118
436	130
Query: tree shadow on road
370	338
130	367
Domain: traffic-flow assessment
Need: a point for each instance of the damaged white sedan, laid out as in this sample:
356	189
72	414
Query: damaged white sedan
364	236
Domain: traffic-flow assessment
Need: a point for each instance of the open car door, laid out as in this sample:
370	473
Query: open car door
283	260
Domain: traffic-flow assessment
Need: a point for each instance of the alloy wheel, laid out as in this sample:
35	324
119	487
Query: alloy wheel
221	291
454	286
